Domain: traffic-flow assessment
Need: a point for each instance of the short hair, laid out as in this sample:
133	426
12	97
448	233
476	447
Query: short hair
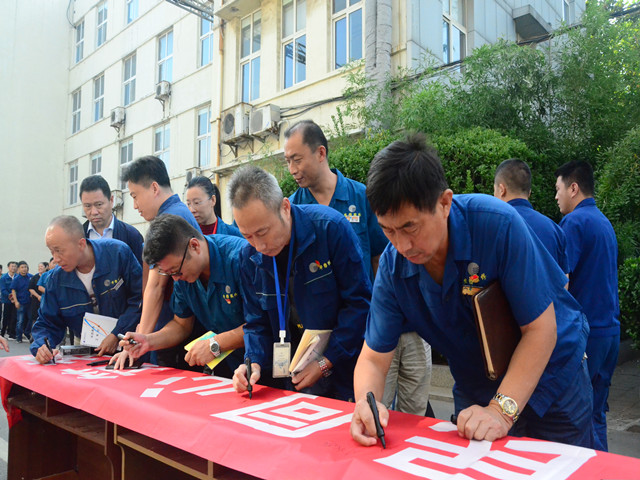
22	262
253	183
515	174
12	262
405	173
312	134
579	172
93	183
167	234
71	225
146	170
45	264
210	188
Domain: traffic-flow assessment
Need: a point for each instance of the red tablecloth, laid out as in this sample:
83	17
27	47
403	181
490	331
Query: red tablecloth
285	435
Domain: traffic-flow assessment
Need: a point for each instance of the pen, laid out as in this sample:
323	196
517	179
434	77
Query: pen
371	400
130	340
97	363
247	362
46	342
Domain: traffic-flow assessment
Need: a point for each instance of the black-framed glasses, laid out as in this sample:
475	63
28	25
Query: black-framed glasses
179	272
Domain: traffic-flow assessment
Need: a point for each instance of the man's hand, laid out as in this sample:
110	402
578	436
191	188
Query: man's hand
120	360
363	427
240	377
483	423
17	304
200	353
138	350
307	377
108	345
43	355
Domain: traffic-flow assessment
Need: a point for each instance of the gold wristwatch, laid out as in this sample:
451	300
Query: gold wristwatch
508	405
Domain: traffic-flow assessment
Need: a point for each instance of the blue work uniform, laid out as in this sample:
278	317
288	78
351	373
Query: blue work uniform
218	305
226	229
548	231
593	280
20	284
44	278
117	286
489	241
350	199
5	286
331	290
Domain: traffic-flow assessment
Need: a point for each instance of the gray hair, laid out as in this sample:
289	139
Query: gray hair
253	183
70	225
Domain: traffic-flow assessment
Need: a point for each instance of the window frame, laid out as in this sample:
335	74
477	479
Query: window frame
208	39
251	59
76	110
96	158
127	144
451	22
293	39
129	84
164	153
101	27
73	183
79	42
345	14
168	59
566	10
206	137
128	19
98	100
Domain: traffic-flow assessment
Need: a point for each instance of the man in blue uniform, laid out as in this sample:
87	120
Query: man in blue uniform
99	277
593	280
207	289
9	309
512	184
444	247
22	300
150	188
320	273
97	203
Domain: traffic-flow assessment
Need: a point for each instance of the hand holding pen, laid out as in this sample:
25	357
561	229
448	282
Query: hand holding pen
371	400
247	362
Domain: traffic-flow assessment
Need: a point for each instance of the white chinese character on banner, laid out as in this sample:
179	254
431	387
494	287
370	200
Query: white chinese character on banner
213	386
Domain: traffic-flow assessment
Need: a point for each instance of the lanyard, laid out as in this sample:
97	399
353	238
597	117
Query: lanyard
215	227
282	304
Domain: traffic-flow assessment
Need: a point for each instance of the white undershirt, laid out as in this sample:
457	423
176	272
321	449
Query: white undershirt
86	278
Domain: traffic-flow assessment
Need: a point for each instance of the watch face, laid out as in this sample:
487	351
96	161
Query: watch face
509	406
215	346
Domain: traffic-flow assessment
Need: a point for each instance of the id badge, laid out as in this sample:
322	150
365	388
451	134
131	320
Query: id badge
281	359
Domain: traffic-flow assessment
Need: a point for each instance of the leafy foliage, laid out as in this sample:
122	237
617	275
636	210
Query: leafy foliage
629	283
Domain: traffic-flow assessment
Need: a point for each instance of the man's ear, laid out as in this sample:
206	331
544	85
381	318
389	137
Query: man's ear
574	189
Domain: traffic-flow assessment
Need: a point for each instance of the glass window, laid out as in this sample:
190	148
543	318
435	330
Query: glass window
132	10
73	183
129	82
98	98
165	57
454	32
250	41
203	139
101	24
161	143
79	41
75	110
96	163
126	157
206	42
348	38
294	41
566	10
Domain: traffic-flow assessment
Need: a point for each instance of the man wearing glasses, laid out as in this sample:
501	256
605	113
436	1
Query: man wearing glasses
99	277
206	271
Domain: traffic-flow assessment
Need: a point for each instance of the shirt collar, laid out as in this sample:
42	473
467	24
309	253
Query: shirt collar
341	192
110	227
520	202
587	202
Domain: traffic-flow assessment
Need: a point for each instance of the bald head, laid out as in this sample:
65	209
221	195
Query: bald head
65	239
69	225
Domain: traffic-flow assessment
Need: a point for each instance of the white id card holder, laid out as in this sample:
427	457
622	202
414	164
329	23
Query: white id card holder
281	359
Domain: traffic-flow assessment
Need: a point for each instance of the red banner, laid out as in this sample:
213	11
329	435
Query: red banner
287	435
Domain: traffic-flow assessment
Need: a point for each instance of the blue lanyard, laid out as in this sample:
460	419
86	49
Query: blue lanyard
282	304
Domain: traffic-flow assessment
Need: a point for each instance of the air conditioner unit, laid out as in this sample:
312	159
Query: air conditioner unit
117	117
235	123
192	172
163	90
264	120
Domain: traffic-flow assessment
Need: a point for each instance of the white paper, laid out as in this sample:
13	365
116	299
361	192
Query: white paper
95	328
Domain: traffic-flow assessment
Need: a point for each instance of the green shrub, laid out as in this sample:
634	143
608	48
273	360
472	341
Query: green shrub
629	283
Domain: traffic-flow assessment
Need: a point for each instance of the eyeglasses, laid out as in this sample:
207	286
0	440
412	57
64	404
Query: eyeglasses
179	272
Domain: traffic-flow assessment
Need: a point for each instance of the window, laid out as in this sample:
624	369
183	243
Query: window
165	57
98	98
126	157
79	41
75	111
454	34
96	163
129	80
566	10
206	42
251	29
73	183
161	143
101	24
294	41
204	137
347	31
132	10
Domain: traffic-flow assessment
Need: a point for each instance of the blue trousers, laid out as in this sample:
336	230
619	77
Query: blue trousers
602	353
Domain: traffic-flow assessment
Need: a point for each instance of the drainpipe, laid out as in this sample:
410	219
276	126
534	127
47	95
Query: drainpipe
377	48
219	119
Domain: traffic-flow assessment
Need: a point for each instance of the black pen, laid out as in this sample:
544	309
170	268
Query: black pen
46	342
130	340
247	362
371	400
97	363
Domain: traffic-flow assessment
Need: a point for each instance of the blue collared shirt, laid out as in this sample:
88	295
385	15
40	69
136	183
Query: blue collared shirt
21	285
350	199
5	286
117	285
488	241
173	206
330	285
593	255
226	229
42	281
548	231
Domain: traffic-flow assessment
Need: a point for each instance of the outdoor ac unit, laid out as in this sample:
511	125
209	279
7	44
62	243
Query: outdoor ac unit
117	117
235	123
192	172
163	90
264	120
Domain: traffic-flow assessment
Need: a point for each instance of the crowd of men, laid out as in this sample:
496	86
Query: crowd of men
388	269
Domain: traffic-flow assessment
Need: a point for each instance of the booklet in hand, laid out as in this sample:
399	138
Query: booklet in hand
311	347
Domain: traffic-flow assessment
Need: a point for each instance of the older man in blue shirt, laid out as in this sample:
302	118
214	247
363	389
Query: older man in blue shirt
444	247
311	255
207	289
